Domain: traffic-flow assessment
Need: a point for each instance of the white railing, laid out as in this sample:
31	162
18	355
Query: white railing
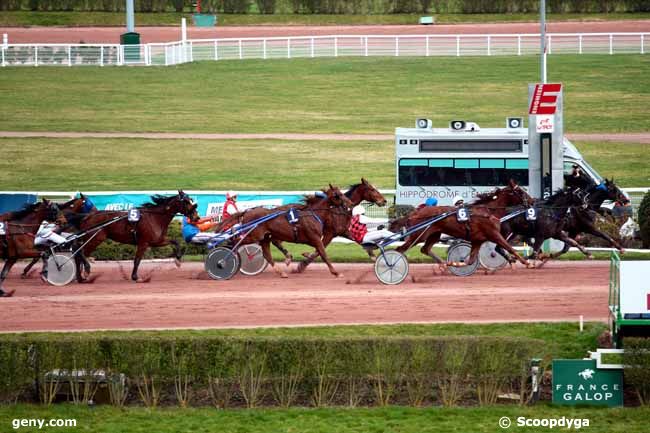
172	53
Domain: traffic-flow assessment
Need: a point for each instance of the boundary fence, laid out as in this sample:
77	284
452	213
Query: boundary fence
191	50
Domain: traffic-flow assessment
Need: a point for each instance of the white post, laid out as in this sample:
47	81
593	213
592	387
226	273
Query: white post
216	50
489	41
642	43
288	48
241	56
396	46
5	45
264	49
519	45
191	51
3	57
35	55
365	46
148	54
457	46
69	55
184	30
336	46
101	55
311	42
166	55
580	44
542	39
427	45
611	44
582	323
550	44
130	20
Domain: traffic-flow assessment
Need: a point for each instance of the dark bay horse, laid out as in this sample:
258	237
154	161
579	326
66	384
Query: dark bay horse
483	225
149	231
20	228
315	214
74	211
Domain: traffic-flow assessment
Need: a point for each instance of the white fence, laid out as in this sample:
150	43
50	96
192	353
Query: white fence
173	53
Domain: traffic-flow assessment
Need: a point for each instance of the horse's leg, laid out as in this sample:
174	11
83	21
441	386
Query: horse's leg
139	253
86	251
426	249
564	237
266	252
592	230
29	267
178	252
288	258
498	239
309	258
3	275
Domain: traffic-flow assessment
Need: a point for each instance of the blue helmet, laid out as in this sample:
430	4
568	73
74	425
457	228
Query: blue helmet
431	201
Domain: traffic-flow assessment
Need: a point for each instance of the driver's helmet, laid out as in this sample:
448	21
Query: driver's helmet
459	201
431	201
231	195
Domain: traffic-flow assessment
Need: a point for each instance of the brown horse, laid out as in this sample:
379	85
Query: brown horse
149	231
74	210
363	191
20	228
314	215
483	225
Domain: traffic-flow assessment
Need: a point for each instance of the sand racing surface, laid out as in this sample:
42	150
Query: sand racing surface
184	298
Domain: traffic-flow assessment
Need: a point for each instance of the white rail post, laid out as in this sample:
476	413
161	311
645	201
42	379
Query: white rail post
69	55
264	49
457	46
35	55
288	48
580	44
311	47
216	50
426	45
611	43
241	54
166	55
365	46
148	52
642	43
336	46
191	51
489	41
550	44
519	45
396	46
3	57
101	55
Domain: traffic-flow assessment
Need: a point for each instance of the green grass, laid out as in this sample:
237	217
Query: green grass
28	18
30	164
346	95
364	420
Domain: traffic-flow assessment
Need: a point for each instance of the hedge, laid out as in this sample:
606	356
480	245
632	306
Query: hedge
223	371
357	7
644	220
636	359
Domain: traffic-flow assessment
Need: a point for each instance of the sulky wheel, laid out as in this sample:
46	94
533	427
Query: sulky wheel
459	252
222	263
490	258
252	260
391	267
61	269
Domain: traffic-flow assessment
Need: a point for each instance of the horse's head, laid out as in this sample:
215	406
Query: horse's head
187	206
365	191
510	195
79	204
517	195
614	193
50	211
336	198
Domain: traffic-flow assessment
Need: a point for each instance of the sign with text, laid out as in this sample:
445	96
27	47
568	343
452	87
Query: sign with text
544	123
544	99
579	382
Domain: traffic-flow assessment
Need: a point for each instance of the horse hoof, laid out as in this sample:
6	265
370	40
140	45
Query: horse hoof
590	257
306	255
284	275
338	275
24	276
177	262
530	265
8	294
287	261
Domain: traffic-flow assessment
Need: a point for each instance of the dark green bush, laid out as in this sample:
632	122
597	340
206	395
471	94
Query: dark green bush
636	359
644	219
278	371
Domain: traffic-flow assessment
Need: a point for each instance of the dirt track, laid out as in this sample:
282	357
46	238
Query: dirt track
167	34
178	298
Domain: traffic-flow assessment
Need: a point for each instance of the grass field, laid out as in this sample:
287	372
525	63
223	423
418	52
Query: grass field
371	420
351	95
127	164
28	18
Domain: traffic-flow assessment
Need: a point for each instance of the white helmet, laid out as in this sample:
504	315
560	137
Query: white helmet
231	194
358	210
458	201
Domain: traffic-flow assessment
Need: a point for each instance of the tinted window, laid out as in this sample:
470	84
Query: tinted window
410	175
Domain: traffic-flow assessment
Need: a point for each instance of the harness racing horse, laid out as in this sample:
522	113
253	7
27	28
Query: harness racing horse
74	210
150	229
483	225
312	218
20	228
